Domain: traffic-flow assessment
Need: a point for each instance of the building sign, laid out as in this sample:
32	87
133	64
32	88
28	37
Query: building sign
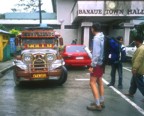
37	33
119	12
110	8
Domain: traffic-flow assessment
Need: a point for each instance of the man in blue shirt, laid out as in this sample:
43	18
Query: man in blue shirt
117	52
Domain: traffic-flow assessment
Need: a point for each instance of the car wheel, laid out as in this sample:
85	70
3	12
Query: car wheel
16	80
63	76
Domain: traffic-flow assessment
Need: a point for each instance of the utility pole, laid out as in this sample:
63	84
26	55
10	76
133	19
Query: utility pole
40	16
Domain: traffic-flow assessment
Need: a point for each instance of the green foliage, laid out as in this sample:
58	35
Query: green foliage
139	30
133	33
14	32
27	6
3	27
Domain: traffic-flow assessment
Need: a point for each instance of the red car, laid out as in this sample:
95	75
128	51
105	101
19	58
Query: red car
75	55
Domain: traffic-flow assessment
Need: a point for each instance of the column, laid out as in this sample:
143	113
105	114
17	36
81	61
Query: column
127	27
86	32
126	36
86	36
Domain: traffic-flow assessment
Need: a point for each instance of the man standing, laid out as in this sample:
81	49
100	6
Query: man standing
117	51
96	70
137	68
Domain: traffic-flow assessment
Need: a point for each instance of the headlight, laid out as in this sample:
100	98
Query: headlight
50	57
56	64
27	58
20	64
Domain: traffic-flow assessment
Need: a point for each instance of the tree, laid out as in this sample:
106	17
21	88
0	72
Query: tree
26	6
14	32
138	30
3	27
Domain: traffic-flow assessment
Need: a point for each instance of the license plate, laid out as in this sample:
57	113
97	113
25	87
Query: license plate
79	58
39	75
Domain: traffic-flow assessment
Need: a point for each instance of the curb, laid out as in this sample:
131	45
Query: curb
5	70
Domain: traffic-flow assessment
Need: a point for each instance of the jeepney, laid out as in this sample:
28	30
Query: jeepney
39	57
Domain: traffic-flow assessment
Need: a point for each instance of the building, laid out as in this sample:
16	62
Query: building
116	17
73	18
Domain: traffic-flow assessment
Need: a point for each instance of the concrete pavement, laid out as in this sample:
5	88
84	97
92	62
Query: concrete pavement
71	99
73	96
6	65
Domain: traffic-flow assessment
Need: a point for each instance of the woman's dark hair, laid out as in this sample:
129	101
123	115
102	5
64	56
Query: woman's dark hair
96	27
139	38
119	37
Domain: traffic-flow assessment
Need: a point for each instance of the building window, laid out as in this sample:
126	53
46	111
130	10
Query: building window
71	26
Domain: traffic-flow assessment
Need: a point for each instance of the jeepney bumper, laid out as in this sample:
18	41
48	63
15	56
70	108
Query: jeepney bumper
38	75
25	73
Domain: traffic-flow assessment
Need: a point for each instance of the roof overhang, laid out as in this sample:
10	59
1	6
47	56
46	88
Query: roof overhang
4	32
103	19
27	22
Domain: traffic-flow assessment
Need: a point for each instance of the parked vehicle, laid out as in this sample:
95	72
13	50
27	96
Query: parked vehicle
130	49
75	55
39	58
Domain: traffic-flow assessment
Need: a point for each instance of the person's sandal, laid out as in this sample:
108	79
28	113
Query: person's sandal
102	104
94	107
129	95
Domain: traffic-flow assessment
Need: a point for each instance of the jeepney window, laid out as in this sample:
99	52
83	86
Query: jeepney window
38	41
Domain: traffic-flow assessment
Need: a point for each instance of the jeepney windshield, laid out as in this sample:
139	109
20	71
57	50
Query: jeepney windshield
38	41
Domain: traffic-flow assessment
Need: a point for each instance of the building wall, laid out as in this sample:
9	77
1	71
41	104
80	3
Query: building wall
68	35
64	8
116	32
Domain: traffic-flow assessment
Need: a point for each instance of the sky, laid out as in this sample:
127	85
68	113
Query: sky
7	5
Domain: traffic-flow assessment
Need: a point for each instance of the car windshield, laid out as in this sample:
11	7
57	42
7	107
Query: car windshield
38	41
75	49
132	44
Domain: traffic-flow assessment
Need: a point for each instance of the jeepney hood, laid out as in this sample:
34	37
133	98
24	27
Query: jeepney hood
39	51
37	58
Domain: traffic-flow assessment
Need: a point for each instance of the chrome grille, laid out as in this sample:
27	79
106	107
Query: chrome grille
39	63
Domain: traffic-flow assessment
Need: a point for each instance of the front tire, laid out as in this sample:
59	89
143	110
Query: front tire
63	76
